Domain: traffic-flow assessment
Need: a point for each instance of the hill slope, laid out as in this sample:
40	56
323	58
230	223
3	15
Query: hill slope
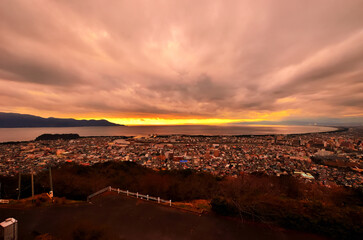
16	120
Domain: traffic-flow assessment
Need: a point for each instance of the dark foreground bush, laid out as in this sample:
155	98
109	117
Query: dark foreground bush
335	212
222	207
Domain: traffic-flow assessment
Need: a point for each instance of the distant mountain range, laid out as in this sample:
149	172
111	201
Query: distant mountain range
16	120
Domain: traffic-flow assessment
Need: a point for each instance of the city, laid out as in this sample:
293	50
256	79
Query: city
327	158
244	117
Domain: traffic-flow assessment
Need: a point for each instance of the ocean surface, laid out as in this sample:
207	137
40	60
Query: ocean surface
27	134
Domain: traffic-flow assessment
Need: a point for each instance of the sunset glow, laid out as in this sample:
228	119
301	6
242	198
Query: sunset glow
160	121
240	114
150	120
182	62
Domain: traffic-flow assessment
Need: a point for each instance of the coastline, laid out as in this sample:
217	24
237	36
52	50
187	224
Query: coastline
336	130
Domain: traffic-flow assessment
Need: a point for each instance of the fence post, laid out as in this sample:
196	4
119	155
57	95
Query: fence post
170	202
118	190
137	195
127	192
158	199
109	188
147	197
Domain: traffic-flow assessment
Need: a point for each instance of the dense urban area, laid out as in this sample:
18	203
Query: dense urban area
328	158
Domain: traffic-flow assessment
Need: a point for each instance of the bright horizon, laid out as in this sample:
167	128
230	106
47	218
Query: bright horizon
160	121
191	120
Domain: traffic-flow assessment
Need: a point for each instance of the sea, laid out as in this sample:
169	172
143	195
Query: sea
28	134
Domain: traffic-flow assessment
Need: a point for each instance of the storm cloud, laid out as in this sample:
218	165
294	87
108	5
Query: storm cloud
208	58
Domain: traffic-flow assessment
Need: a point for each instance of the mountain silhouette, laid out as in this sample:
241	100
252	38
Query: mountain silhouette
16	120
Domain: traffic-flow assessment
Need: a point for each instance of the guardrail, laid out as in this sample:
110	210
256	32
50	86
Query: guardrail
98	192
128	193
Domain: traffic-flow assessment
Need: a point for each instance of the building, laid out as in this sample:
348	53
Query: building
121	142
9	229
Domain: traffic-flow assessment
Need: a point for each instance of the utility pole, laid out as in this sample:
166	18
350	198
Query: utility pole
32	178
50	179
19	186
51	183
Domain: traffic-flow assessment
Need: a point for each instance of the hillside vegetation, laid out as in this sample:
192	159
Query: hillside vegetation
286	201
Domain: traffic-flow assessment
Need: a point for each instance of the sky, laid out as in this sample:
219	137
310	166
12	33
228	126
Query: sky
182	62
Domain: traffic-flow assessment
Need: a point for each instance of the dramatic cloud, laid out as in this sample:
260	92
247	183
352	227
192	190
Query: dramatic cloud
182	59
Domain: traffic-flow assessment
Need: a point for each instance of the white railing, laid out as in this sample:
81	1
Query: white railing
98	192
128	193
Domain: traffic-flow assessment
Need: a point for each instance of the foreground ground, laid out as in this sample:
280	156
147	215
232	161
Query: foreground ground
119	217
286	201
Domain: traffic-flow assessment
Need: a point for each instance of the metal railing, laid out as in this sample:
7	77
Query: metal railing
128	193
98	192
